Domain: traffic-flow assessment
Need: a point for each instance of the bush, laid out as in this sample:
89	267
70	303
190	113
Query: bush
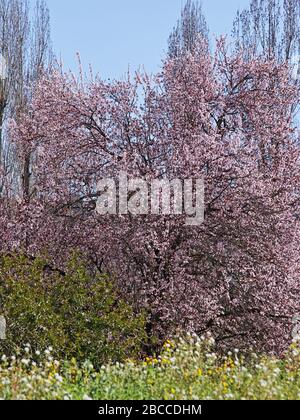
77	312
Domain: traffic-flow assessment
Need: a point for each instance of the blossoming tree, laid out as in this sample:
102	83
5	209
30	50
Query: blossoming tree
220	118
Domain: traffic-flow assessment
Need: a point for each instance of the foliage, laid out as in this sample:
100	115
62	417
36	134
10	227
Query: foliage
221	118
187	369
78	313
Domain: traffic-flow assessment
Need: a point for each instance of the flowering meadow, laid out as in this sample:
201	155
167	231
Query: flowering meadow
186	369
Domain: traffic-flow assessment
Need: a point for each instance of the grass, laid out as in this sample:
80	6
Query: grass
187	369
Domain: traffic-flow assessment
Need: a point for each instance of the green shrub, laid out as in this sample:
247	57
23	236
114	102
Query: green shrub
78	313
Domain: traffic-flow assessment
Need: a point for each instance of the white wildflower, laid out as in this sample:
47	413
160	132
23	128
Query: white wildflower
263	383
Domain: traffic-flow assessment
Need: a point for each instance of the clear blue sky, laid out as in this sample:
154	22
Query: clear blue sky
114	34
